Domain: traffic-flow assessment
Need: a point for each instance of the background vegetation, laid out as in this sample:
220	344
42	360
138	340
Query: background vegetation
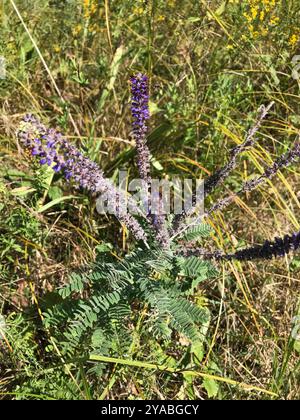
211	65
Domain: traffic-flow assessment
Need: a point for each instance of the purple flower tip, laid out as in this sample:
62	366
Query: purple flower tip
140	113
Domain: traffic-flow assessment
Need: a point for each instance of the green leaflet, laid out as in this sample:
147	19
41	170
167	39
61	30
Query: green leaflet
197	232
100	302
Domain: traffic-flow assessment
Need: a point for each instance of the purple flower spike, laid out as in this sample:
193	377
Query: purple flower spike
140	113
279	247
55	151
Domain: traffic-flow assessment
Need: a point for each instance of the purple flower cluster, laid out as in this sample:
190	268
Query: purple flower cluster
282	162
218	177
140	113
277	248
52	149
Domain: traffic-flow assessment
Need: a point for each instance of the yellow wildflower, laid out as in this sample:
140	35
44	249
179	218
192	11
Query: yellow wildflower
138	11
254	12
247	17
77	30
274	20
293	40
89	8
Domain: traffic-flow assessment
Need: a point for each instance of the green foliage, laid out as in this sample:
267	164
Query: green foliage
101	303
198	232
17	225
33	379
